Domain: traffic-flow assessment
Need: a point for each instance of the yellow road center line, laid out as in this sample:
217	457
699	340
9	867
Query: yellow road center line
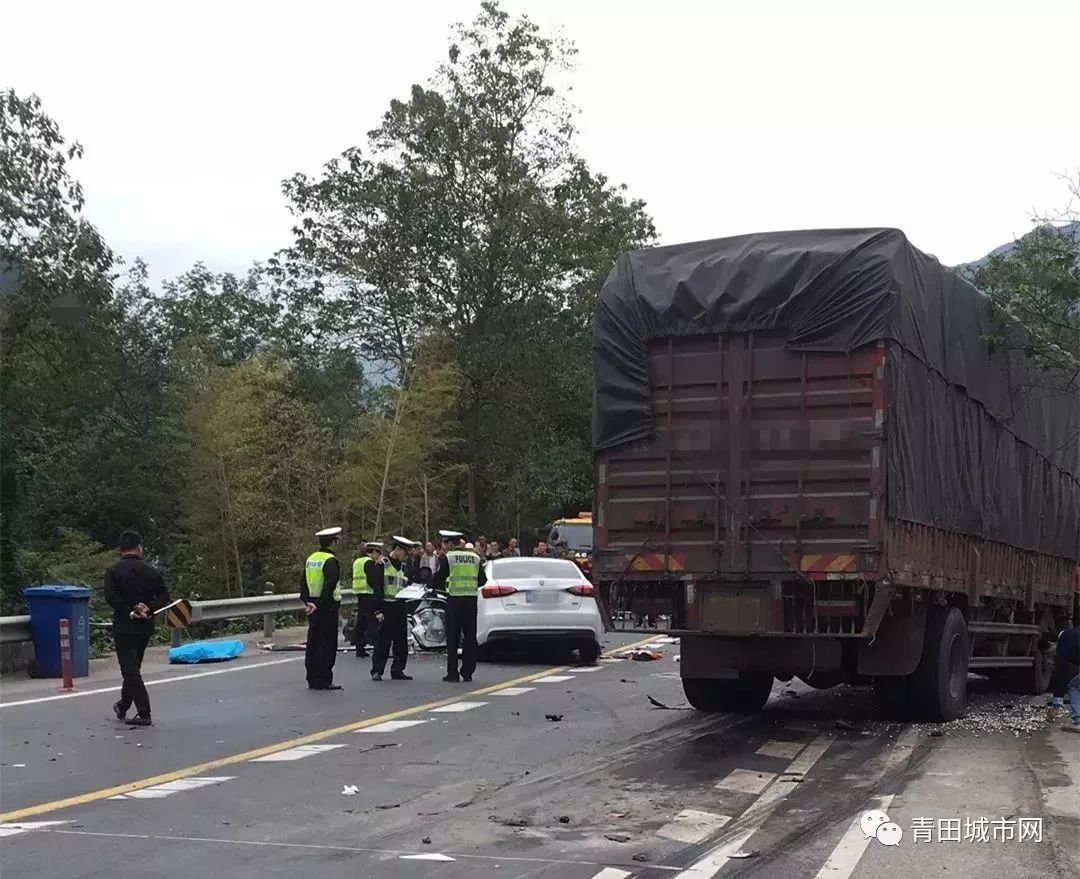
245	756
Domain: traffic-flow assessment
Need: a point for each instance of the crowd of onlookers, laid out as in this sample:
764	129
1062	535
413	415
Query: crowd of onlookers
487	550
428	555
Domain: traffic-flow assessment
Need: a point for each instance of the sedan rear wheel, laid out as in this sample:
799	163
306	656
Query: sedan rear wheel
589	651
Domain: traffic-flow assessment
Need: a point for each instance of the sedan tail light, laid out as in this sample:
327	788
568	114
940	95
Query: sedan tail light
585	590
495	590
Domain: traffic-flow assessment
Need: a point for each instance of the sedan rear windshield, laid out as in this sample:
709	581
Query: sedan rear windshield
523	569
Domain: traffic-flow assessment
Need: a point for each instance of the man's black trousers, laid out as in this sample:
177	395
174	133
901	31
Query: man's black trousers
129	653
461	629
321	651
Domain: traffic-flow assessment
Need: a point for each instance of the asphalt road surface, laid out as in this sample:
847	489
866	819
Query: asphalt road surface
249	774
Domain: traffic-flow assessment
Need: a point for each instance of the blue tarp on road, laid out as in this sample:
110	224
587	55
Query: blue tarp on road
206	651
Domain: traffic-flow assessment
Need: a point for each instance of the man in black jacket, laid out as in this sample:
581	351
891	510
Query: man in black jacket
134	590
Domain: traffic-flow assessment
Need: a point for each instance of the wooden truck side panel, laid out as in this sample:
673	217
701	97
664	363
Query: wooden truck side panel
760	506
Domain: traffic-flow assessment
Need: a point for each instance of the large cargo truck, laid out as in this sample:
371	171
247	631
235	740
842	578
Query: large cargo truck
822	454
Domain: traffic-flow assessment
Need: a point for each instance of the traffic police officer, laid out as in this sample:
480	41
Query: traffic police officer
320	590
465	577
364	593
390	612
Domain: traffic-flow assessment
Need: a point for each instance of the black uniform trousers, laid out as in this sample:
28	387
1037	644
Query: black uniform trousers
129	654
321	650
392	633
365	616
461	628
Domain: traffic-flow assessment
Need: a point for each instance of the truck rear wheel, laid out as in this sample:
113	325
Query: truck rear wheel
747	694
939	684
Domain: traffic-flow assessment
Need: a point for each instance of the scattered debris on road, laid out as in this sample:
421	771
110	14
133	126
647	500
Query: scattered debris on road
426	840
350	790
741	855
554	718
656	703
994	712
509	822
617	837
386	806
641	858
564	819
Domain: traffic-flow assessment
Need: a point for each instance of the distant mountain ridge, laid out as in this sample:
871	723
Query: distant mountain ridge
1070	229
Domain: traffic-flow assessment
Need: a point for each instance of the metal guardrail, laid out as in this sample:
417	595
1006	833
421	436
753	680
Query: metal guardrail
14	629
17	628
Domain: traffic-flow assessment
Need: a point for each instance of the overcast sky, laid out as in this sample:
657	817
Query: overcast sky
946	119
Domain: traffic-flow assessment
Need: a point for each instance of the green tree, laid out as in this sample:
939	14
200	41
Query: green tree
1037	282
252	474
71	428
471	213
397	476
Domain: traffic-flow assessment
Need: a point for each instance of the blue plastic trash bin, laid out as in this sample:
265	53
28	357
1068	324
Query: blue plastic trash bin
49	605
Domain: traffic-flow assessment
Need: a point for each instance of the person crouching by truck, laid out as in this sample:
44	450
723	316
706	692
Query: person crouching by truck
1067	657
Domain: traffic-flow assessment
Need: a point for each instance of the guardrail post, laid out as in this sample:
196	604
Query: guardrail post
268	619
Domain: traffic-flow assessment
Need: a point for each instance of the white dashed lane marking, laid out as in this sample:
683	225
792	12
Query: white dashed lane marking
160	791
434	856
553	679
26	826
692	826
786	750
391	726
298	753
759	811
582	669
845	857
611	873
746	781
513	691
715	860
457	707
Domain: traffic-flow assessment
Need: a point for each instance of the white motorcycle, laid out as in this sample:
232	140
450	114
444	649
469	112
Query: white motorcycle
427	616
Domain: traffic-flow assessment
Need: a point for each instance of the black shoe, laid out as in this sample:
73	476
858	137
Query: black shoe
376	675
467	679
119	711
140	720
400	676
452	679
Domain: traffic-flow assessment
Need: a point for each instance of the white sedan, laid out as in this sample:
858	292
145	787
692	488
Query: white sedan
538	600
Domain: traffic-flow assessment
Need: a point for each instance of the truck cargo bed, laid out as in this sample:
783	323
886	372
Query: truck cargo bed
760	504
